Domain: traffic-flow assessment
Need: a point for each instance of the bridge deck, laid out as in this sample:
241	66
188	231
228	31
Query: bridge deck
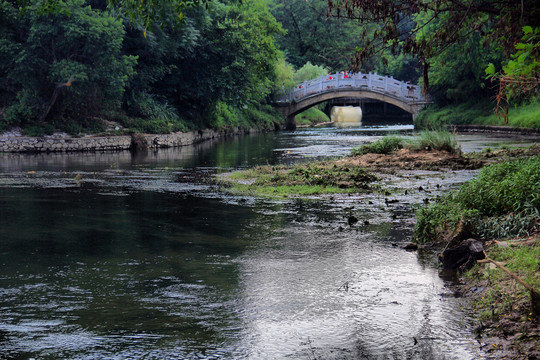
373	82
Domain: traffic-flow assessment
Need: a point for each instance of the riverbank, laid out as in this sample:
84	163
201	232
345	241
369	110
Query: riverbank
14	141
500	210
481	114
506	325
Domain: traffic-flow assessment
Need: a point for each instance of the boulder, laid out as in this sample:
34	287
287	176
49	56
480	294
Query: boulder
463	256
411	247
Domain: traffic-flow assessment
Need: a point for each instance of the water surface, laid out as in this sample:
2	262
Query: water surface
114	255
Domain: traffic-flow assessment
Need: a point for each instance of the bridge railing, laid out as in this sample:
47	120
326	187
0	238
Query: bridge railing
357	81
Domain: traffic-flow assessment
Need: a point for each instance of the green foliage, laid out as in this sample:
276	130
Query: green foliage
503	188
155	126
152	116
385	145
39	131
434	140
237	55
309	72
403	67
311	116
456	72
65	61
313	36
147	12
284	76
439	218
478	113
263	116
67	65
506	226
224	116
499	190
519	78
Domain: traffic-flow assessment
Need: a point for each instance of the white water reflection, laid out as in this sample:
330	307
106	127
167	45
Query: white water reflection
311	293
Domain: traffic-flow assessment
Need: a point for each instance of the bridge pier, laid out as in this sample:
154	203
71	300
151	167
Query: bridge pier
290	122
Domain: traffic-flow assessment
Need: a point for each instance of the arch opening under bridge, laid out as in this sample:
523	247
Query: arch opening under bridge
342	85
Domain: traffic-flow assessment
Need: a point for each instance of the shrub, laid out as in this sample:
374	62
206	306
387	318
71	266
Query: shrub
151	115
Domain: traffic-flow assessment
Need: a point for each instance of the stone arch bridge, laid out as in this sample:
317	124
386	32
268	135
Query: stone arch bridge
341	85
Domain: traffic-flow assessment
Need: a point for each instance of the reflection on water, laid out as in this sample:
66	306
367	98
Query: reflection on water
109	255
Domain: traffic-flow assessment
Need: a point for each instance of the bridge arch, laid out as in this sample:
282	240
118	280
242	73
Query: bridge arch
363	86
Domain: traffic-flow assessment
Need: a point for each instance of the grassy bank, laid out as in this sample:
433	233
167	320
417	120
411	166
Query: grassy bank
501	202
522	116
502	306
311	116
503	297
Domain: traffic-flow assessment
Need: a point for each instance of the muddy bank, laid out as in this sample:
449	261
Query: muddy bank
406	159
506	326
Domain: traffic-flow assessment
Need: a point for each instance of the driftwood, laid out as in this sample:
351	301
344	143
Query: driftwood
535	296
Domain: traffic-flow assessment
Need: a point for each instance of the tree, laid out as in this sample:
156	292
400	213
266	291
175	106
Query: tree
235	59
520	76
400	23
65	65
144	12
309	72
313	36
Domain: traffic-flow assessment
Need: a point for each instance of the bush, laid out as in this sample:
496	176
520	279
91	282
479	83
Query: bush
225	116
39	130
150	115
263	116
503	188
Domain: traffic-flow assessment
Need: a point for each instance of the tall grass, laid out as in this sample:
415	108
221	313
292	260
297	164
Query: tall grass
434	140
425	140
507	192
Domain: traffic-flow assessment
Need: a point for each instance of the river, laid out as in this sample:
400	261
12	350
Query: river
121	256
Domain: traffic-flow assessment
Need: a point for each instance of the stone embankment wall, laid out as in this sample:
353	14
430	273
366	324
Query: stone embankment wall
63	143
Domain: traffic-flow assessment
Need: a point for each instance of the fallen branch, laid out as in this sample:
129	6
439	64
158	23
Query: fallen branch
535	297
